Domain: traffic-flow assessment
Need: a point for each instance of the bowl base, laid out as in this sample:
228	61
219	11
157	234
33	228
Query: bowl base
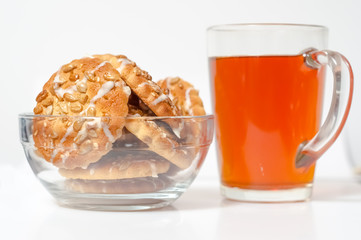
119	202
114	201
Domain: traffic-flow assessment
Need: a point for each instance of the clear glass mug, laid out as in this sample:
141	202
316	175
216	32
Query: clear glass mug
267	85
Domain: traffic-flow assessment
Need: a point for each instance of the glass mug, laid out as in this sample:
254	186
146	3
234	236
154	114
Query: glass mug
267	85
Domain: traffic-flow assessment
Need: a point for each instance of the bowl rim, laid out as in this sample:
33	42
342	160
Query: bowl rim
29	115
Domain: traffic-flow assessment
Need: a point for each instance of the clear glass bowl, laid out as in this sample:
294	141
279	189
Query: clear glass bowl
89	166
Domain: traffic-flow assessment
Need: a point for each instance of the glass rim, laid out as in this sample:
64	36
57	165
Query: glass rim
31	116
264	26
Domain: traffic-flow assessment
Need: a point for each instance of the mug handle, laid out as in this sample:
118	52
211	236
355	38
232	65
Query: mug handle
309	151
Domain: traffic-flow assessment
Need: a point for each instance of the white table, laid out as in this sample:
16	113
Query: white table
27	211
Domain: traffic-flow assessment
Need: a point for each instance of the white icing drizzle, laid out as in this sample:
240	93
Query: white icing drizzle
60	147
51	144
126	89
124	62
95	123
96	146
134	115
143	84
177	130
59	91
153	169
84	80
107	132
188	103
57	78
99	66
54	153
171	142
105	88
49	110
64	157
68	132
164	135
161	98
82	134
169	87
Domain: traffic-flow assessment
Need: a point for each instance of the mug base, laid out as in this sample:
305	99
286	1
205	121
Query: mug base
268	196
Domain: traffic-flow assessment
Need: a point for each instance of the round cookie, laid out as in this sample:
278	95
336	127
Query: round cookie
158	139
130	165
88	99
183	95
128	142
137	103
142	85
123	186
187	99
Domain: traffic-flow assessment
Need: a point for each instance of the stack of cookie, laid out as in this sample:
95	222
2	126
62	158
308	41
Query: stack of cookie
105	102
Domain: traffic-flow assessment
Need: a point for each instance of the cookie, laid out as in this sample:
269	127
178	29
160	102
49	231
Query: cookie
142	85
135	101
183	95
128	141
78	92
187	99
120	166
158	139
123	186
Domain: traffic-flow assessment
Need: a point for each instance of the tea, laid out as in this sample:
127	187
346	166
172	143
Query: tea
265	107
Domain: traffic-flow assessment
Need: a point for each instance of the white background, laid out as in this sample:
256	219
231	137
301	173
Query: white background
166	38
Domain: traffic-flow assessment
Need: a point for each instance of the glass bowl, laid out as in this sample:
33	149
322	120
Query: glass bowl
86	163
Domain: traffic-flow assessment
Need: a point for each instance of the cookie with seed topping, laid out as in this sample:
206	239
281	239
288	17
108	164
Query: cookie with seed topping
186	98
120	186
85	93
120	166
183	95
158	138
142	85
129	141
